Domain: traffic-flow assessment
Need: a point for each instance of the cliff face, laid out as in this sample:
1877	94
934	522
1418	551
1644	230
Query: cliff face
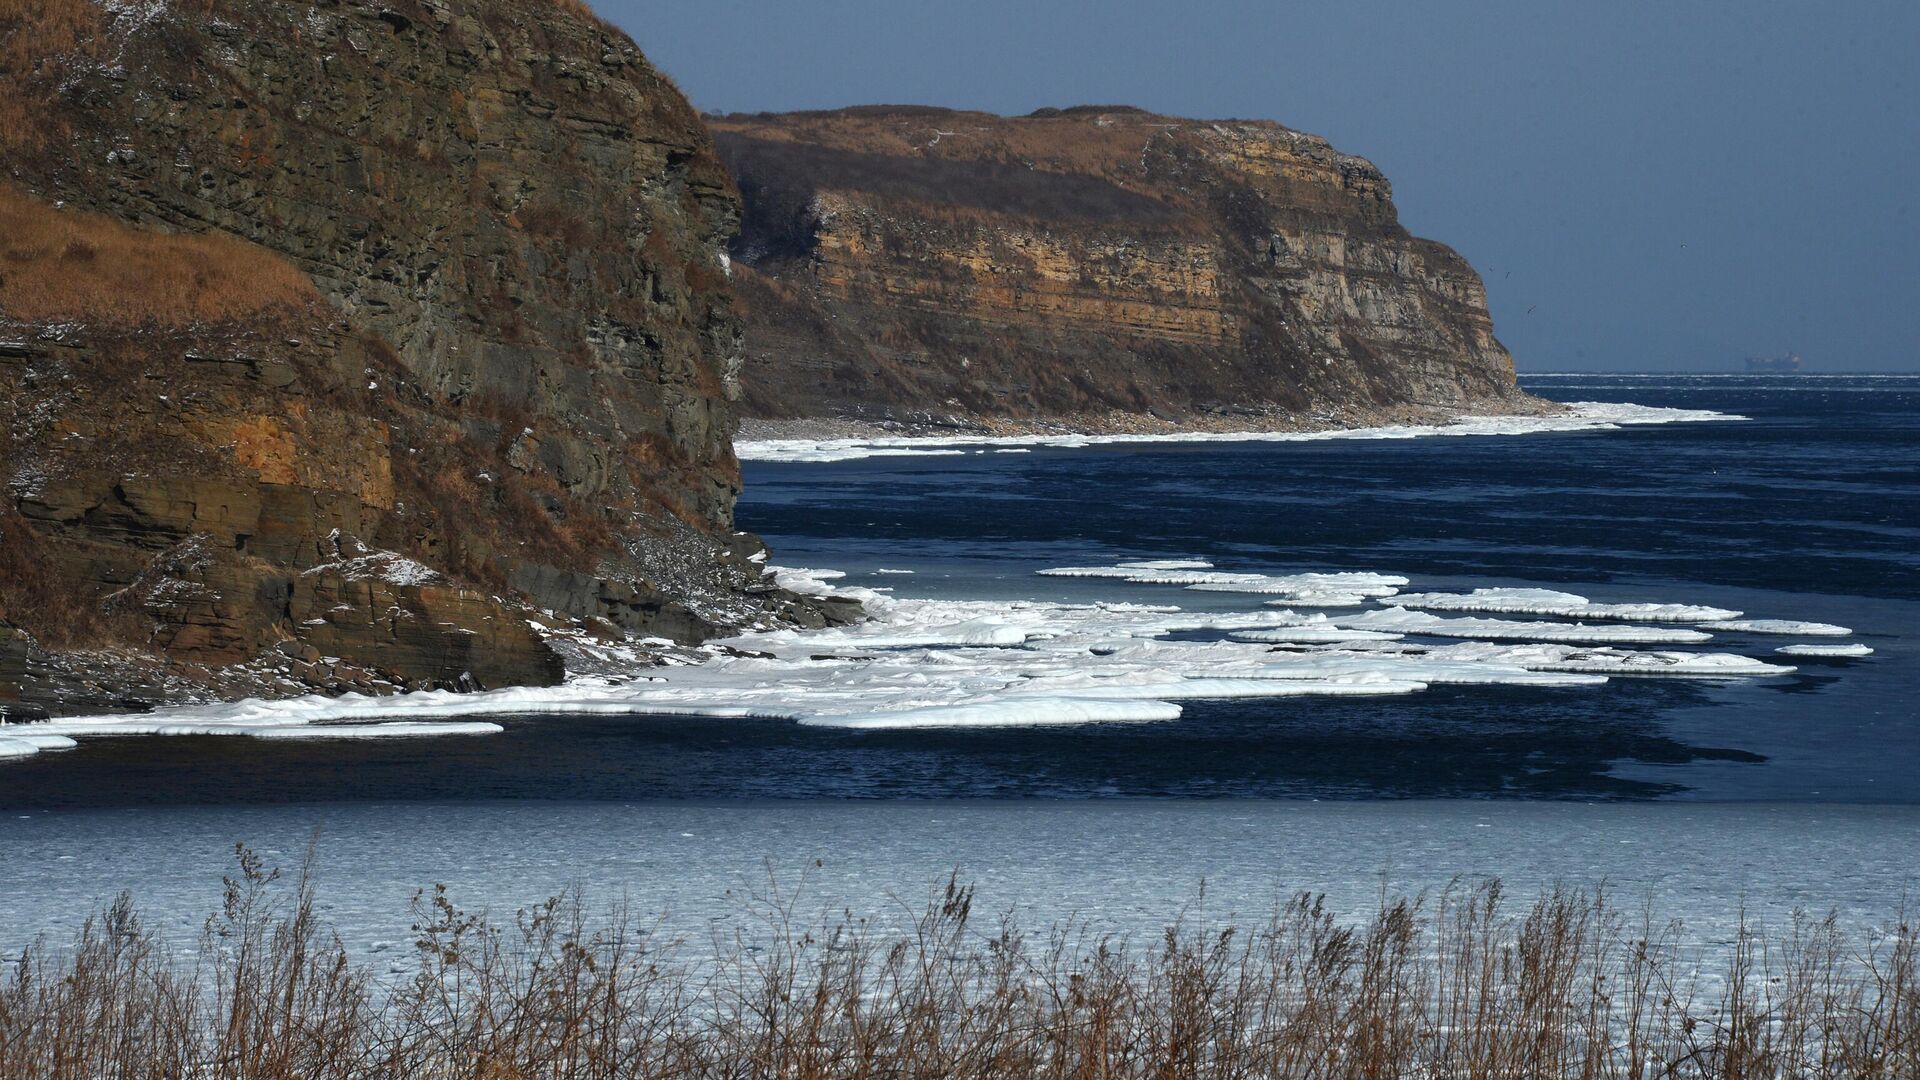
1089	264
339	331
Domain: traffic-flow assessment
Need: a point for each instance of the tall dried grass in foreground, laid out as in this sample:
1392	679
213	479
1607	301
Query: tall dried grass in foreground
1452	985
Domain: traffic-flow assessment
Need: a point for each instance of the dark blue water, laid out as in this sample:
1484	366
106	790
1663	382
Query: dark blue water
1810	510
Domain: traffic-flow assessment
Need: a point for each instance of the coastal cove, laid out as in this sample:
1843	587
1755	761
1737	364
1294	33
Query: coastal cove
582	540
1701	801
1699	514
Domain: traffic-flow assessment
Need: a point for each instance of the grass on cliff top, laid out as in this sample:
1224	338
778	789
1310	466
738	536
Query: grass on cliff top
1456	985
40	43
59	265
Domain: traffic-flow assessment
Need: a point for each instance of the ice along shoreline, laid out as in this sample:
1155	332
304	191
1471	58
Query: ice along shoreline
1104	661
959	663
854	441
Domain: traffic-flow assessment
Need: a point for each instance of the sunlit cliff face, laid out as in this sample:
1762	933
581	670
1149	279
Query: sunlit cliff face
1088	261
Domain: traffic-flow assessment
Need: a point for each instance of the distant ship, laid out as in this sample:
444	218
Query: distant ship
1784	364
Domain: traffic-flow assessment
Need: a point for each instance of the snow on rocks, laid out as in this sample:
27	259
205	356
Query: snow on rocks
388	566
356	561
1562	604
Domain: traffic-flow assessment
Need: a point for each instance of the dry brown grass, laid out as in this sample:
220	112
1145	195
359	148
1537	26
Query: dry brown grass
1449	986
1090	142
67	264
38	40
585	11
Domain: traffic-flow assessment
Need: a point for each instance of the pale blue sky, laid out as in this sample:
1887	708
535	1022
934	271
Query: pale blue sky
1645	186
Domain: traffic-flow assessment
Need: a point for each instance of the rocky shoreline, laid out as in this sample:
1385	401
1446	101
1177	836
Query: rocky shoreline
411	356
343	347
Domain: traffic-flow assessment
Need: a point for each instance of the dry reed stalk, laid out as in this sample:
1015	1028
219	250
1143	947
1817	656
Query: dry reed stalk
1449	985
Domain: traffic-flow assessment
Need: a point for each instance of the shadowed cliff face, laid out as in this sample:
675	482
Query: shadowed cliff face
342	328
907	263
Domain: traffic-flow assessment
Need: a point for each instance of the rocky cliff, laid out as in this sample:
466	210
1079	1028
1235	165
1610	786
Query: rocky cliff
1102	266
339	338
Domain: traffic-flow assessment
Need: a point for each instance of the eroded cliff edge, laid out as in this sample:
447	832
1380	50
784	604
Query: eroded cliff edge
339	339
1099	267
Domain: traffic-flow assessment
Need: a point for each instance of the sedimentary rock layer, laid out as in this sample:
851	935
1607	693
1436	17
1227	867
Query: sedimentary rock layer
342	331
915	263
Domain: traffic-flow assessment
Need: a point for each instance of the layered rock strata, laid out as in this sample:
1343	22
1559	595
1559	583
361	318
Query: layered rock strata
1102	267
349	336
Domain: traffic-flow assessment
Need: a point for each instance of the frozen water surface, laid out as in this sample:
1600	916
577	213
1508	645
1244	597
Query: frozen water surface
1563	604
1579	416
920	663
1846	651
1780	626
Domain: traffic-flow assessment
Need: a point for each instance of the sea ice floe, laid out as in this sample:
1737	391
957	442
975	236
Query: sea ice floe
1579	416
1563	604
1825	650
382	730
1296	588
800	579
1006	712
1144	574
1316	597
1470	664
1302	590
15	748
40	740
297	718
1194	621
1405	621
1779	626
918	663
828	451
986	630
1611	661
1300	635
